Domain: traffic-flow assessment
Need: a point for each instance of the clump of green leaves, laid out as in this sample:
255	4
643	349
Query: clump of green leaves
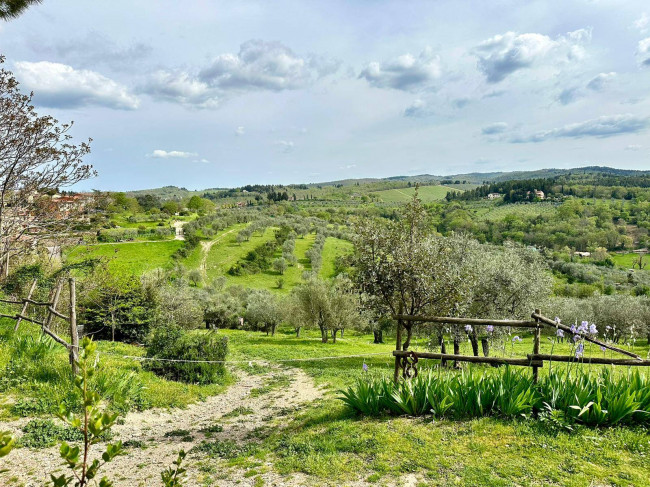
41	433
562	398
174	476
7	442
93	423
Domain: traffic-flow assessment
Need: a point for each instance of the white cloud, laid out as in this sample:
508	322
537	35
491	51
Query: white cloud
601	127
642	23
634	147
418	109
406	72
261	65
599	82
285	145
239	131
201	160
61	86
174	154
502	55
643	52
180	87
494	128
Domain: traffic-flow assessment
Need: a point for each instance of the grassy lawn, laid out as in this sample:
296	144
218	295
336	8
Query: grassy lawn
330	444
34	380
333	248
129	257
427	194
334	447
626	261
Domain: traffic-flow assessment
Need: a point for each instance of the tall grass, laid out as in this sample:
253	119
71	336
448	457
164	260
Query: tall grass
580	396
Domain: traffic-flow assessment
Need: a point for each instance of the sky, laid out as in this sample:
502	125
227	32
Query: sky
206	93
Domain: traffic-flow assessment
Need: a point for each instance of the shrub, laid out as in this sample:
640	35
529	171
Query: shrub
173	343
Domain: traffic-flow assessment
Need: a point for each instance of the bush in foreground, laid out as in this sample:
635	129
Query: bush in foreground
597	399
180	355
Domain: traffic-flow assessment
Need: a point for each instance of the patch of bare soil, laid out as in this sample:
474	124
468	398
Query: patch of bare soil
154	437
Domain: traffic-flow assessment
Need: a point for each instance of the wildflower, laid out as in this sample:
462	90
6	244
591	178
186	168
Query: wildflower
584	327
593	330
516	339
468	328
603	348
557	319
490	328
560	333
576	338
574	328
579	350
365	367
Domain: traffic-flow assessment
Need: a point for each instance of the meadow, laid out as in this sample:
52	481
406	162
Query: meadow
427	194
324	441
133	258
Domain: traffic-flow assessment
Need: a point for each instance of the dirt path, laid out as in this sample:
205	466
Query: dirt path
205	250
154	437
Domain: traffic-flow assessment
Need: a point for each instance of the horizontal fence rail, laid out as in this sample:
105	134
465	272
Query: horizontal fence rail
526	362
468	321
407	360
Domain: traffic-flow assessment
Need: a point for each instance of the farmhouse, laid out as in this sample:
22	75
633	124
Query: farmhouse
494	196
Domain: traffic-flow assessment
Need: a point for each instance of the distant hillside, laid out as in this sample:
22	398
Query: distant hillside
379	184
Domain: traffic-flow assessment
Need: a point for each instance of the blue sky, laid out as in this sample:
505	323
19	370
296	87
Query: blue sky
215	94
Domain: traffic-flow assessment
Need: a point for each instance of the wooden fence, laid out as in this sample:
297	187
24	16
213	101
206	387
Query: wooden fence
52	313
406	360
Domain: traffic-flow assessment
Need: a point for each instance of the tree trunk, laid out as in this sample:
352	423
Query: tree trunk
298	332
342	330
473	339
272	330
334	336
456	351
485	344
378	334
323	334
443	347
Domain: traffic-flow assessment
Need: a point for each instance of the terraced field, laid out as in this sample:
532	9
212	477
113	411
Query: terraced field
427	194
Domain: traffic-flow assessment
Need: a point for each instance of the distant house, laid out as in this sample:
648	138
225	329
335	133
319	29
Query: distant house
538	194
583	254
494	196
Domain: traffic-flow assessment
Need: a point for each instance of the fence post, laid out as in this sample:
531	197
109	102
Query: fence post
536	343
74	336
398	345
26	304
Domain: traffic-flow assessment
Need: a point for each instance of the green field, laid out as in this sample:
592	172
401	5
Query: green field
627	261
129	257
427	194
334	247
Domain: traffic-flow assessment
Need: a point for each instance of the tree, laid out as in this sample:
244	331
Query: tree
195	203
311	306
36	155
265	311
406	269
10	9
343	306
280	265
170	207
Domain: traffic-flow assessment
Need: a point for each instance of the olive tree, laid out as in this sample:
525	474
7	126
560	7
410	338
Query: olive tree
508	282
404	268
265	311
311	306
